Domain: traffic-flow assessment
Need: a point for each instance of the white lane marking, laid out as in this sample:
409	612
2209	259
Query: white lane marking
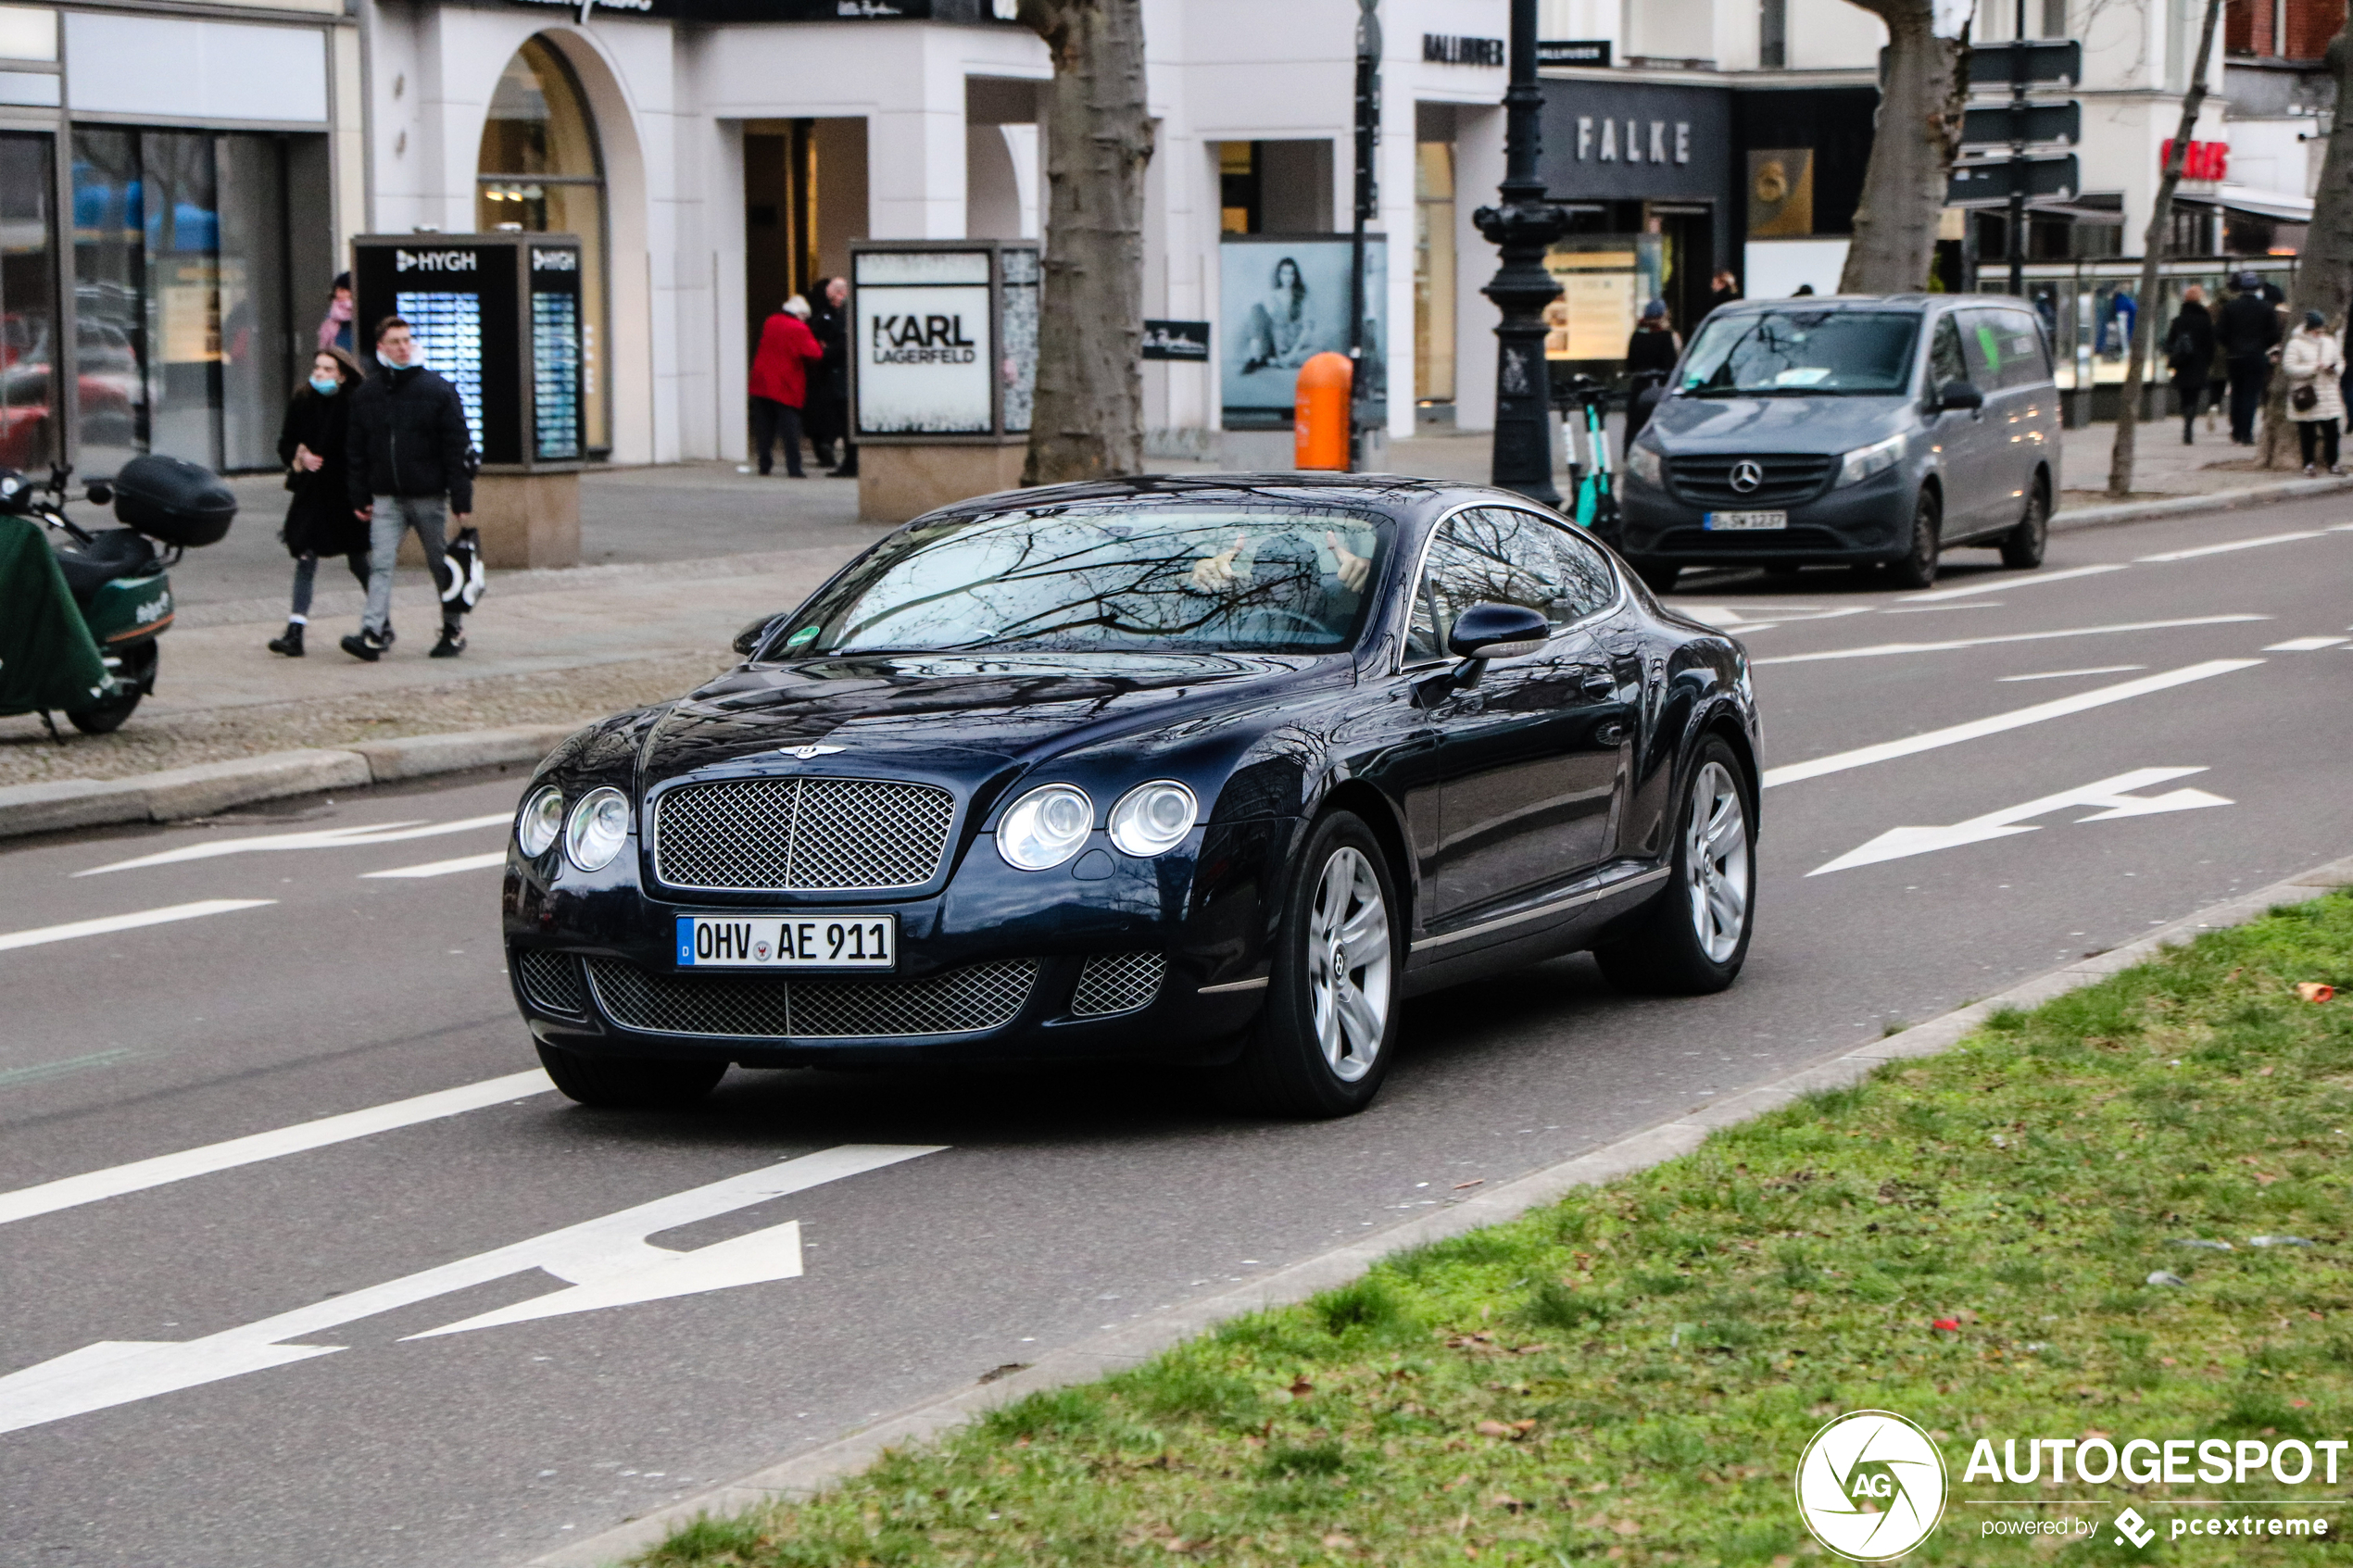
105	923
2061	674
90	1187
1896	843
2306	644
2229	544
2016	580
1880	650
442	868
1729	618
317	838
1976	729
1938	609
607	1261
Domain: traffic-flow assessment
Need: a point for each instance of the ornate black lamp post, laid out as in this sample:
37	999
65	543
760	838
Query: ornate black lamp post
1523	228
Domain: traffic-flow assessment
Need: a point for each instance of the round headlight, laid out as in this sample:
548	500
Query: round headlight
1152	819
540	819
599	826
1045	827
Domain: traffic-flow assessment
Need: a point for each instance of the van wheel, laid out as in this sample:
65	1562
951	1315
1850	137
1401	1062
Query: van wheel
2022	546
1658	576
1917	567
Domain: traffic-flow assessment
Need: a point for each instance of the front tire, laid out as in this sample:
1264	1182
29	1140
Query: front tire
629	1082
1323	1043
2022	546
1917	567
1694	937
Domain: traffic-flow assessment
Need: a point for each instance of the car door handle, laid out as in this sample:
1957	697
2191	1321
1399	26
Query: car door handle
1597	683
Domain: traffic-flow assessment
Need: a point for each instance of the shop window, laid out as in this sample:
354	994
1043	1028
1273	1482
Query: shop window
1434	273
541	170
1237	187
1772	34
27	304
189	276
1275	188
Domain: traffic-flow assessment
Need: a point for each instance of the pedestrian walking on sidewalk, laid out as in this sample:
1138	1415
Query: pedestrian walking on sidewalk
2249	329
412	466
2189	352
833	380
780	383
2314	365
312	444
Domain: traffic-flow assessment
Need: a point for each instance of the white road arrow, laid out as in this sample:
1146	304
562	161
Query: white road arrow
607	1263
1896	843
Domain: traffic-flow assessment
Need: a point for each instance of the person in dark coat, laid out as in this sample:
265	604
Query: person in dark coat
1651	353
2249	330
832	326
1722	290
780	383
312	444
411	465
2189	350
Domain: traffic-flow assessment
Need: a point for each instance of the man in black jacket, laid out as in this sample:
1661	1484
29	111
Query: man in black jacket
409	468
2249	330
829	386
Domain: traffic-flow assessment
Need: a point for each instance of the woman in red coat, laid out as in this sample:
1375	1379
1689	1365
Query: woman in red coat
780	382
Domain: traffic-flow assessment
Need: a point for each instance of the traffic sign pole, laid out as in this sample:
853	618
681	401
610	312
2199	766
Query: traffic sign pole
2019	73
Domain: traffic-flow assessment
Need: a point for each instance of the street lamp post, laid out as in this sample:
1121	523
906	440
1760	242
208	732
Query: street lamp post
1523	228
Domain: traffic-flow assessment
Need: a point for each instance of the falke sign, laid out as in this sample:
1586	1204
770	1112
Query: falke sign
2201	161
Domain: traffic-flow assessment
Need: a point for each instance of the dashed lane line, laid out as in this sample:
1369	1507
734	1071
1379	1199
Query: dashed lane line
107	923
1882	650
2012	580
1953	735
2062	674
442	868
69	1192
2227	545
315	838
2306	644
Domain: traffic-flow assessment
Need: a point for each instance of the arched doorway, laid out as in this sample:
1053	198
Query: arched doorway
541	170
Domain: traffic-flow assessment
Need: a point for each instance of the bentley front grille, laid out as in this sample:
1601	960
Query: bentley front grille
802	836
747	1007
551	980
1111	983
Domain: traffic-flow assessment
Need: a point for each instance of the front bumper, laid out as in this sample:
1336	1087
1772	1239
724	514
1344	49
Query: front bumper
1161	961
1869	522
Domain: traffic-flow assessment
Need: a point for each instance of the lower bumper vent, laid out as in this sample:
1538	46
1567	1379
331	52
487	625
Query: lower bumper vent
745	1007
551	980
1115	982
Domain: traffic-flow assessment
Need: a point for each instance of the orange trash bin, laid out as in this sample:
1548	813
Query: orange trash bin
1319	417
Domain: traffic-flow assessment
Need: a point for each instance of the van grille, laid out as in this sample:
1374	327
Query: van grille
1787	478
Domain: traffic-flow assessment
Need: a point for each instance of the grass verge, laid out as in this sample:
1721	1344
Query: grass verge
1630	1375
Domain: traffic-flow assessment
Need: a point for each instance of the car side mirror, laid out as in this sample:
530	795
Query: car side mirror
1493	631
749	640
1959	395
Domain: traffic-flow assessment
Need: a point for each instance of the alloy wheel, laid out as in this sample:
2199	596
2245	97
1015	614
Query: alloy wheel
1715	863
1347	964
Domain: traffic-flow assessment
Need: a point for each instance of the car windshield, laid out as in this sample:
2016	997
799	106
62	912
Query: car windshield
1107	579
1770	351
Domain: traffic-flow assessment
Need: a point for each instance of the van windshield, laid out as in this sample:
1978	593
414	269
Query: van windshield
1801	353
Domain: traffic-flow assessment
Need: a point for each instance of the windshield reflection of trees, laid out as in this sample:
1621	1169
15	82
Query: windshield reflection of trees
1854	351
1058	581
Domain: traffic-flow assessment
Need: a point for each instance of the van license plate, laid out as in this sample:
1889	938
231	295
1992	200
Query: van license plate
770	942
1745	522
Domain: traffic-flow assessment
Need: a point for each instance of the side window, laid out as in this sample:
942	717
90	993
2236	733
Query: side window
1586	582
1497	554
1422	641
2026	360
1944	358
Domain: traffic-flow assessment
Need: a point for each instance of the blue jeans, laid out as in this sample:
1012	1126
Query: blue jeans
394	515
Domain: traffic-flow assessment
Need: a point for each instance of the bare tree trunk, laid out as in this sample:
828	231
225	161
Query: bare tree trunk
1919	131
2325	272
2128	409
1088	418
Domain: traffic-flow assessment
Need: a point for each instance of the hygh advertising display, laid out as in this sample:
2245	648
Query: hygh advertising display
1285	300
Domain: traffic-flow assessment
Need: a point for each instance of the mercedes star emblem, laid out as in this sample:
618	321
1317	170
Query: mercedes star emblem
1748	474
806	752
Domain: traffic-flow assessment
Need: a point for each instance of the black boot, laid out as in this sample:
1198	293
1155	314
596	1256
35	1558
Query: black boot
452	643
291	644
367	645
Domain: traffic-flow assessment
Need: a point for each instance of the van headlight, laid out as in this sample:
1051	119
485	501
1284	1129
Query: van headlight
1865	461
1045	827
598	827
1645	464
1152	819
540	819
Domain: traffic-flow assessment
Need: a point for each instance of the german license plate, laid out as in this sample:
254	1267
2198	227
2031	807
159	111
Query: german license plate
788	942
1745	522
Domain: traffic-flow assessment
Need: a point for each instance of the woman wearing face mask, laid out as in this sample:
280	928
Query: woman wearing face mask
318	520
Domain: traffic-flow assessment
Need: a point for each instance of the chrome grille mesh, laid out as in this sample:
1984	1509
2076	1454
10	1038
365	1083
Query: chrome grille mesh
978	996
802	836
552	980
1116	983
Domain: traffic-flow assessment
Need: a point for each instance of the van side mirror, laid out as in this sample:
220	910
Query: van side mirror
1959	395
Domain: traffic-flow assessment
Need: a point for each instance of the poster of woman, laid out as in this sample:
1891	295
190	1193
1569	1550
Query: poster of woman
1286	301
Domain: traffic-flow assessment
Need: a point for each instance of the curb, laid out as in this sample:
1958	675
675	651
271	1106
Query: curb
179	792
2075	518
1100	1354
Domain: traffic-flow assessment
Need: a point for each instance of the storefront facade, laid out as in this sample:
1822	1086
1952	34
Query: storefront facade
172	188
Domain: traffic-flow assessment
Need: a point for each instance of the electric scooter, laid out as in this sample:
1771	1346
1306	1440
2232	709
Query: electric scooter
93	657
1592	476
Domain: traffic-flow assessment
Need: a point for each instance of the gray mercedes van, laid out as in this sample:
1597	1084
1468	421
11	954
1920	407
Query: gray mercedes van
1872	430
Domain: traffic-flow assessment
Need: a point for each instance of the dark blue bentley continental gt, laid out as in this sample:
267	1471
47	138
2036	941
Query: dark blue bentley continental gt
1179	771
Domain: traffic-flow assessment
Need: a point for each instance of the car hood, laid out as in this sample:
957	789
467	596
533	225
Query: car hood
1690	425
955	712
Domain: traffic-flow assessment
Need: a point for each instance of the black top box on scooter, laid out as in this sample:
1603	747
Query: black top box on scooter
174	500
